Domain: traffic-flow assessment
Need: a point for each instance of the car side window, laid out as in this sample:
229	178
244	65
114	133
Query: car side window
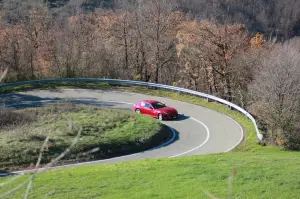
143	104
148	106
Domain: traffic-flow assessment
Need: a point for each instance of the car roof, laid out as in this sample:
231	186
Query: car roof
149	101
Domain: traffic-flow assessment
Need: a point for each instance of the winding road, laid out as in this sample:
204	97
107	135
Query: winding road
197	131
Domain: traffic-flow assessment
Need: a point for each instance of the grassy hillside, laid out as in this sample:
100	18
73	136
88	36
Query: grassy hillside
258	175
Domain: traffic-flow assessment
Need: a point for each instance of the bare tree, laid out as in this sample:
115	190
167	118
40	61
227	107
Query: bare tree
242	73
13	53
216	45
75	48
275	91
146	32
120	36
23	38
35	33
160	23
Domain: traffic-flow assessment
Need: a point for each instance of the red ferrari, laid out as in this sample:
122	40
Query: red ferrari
155	109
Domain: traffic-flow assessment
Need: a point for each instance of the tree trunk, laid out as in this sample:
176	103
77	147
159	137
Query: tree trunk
227	88
125	44
32	66
208	83
143	62
157	57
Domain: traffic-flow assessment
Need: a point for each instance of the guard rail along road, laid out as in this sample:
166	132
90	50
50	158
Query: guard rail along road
139	83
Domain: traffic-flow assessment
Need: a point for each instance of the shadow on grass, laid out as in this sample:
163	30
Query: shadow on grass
4	174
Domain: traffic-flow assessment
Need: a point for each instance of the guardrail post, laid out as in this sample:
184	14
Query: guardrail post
230	107
208	100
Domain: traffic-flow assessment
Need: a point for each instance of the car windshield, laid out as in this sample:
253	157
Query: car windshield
157	105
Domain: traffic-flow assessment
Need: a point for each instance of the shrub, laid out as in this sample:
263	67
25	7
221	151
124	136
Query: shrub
11	117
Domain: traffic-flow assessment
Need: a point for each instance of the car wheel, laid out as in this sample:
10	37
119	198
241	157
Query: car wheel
138	111
160	117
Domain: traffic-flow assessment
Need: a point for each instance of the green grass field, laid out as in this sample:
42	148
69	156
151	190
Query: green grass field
258	175
261	172
114	132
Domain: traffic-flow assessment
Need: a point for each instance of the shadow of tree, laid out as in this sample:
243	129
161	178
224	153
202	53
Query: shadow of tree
4	174
17	98
19	101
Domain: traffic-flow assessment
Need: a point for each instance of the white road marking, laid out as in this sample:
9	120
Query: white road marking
168	142
206	140
242	137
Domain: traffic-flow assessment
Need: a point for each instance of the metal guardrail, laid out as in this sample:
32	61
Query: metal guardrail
140	83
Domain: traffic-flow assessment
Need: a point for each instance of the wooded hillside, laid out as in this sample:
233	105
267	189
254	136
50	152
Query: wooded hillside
271	17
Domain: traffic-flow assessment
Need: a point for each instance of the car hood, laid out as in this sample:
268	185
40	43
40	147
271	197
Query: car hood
168	109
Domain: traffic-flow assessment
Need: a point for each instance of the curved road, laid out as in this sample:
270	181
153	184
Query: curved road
199	130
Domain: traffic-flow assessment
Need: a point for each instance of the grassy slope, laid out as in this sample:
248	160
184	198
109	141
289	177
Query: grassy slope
105	129
258	176
262	172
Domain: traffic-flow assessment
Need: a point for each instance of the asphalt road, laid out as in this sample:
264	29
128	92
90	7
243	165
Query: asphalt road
198	131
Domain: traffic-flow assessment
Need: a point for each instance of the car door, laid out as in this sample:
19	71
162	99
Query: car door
146	109
150	109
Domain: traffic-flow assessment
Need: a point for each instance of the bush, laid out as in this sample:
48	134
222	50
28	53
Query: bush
10	117
292	139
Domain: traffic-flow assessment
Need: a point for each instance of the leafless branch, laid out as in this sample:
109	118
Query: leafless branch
3	74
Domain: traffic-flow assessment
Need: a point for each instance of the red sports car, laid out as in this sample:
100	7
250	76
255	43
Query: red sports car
155	109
